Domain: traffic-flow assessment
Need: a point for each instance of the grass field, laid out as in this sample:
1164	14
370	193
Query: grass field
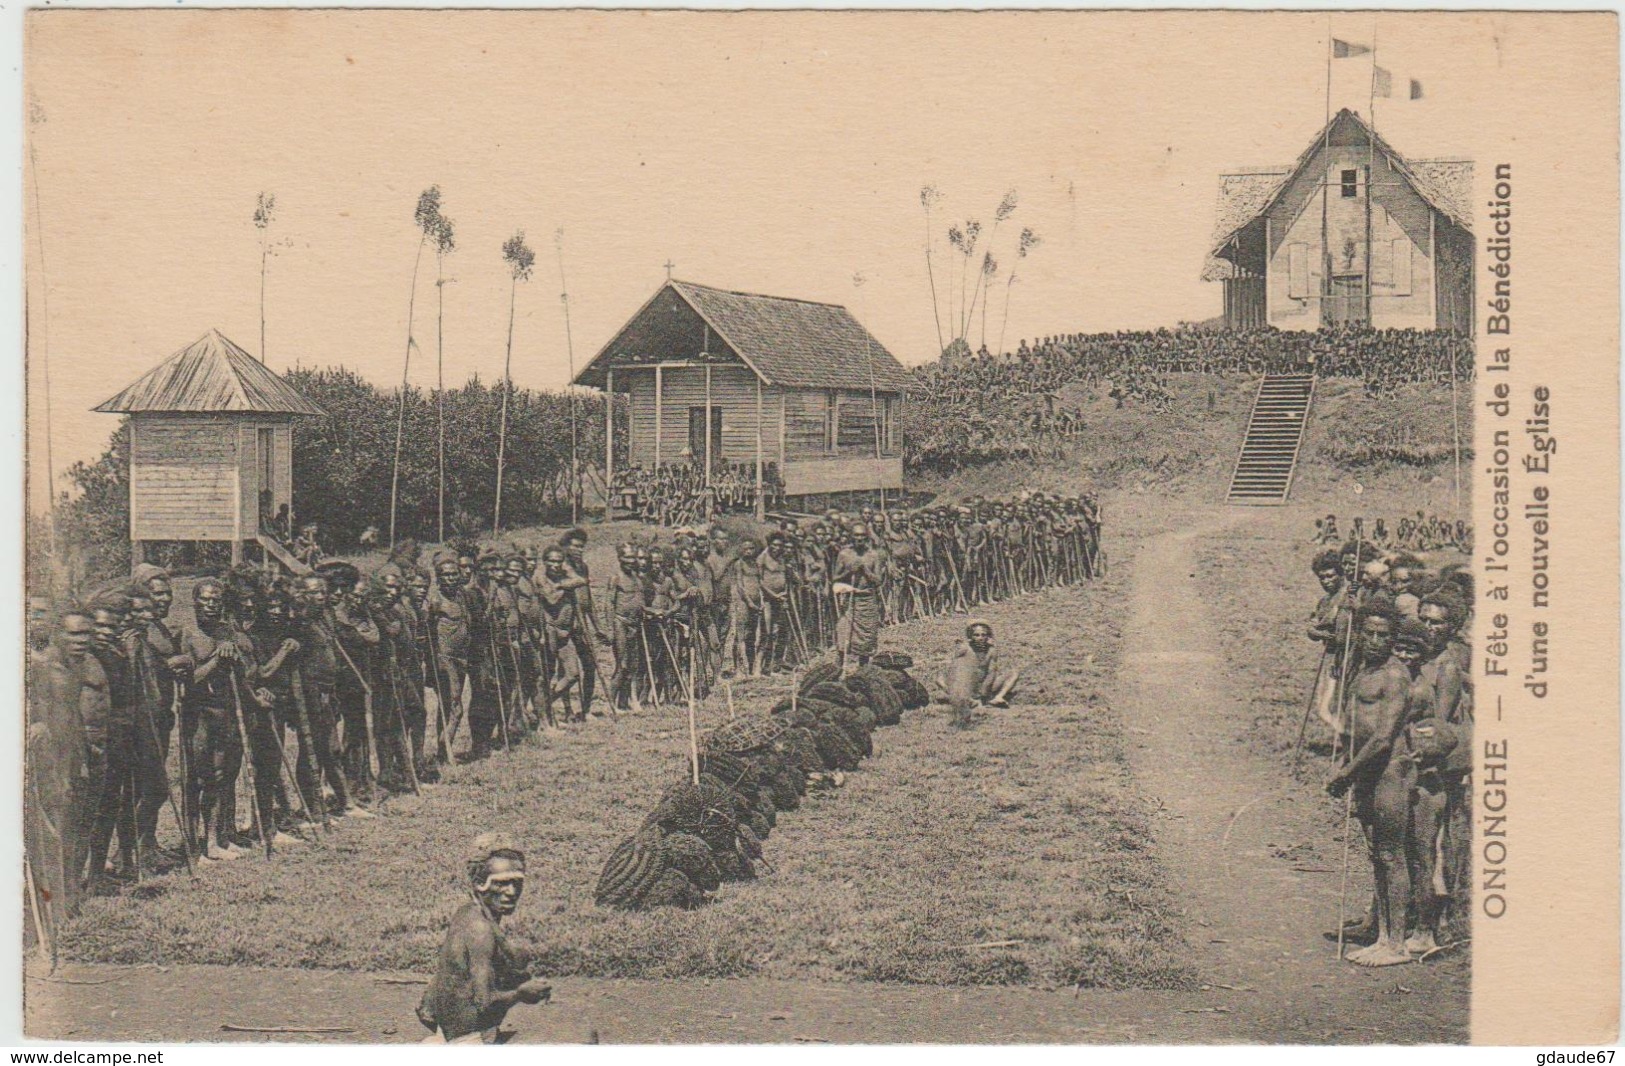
1027	833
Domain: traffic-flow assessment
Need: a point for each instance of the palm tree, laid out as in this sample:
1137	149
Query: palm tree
990	269
967	248
426	216
264	214
1029	241
929	198
520	260
445	242
1006	208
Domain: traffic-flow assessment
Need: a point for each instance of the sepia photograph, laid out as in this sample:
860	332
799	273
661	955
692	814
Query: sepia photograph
661	527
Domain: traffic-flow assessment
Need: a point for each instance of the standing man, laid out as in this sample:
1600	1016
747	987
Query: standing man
319	664
1381	774
558	588
356	639
110	742
587	634
719	562
174	670
453	608
219	648
626	604
858	572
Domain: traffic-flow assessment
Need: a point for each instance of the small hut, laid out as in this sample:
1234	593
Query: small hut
792	390
211	449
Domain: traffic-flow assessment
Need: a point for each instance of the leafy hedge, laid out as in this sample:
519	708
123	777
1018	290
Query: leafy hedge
343	464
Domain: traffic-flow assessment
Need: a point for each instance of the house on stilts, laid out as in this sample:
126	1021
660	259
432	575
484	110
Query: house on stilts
211	450
793	392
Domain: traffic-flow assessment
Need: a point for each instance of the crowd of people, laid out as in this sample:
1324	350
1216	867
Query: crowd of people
1395	689
1422	532
323	694
679	493
1018	396
714	605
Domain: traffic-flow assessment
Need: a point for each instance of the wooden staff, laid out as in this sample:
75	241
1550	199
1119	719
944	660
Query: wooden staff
1309	710
47	948
442	742
248	760
400	715
496	676
307	743
366	705
693	719
174	806
1351	662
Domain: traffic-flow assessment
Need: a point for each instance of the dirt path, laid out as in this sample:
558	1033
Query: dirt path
1257	916
1254	920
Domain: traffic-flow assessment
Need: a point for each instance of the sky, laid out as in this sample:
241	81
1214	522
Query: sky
768	152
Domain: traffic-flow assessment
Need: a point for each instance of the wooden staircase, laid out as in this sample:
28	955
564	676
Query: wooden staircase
275	551
1269	454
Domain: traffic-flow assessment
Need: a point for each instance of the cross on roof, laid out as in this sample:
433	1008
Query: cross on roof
670	266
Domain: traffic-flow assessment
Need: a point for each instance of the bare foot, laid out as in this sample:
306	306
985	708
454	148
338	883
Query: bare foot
1381	954
1420	942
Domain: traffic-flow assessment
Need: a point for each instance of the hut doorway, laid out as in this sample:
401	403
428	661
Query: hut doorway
696	433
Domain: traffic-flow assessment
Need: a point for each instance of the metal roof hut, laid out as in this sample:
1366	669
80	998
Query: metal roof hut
787	387
1353	232
211	449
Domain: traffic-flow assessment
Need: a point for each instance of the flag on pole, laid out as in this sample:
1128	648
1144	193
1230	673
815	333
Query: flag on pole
1382	82
1348	49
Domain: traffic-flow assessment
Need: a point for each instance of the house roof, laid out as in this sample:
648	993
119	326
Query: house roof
1244	195
210	375
786	342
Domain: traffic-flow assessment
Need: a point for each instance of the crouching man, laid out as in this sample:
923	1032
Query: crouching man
974	676
477	978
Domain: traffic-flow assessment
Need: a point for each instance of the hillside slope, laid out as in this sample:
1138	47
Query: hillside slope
1386	454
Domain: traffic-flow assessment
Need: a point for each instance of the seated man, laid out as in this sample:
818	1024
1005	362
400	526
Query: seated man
973	676
477	979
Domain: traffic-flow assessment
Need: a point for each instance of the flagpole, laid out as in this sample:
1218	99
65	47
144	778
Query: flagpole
1370	167
1325	186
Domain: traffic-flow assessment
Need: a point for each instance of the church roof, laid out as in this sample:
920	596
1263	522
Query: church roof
210	375
786	342
1245	194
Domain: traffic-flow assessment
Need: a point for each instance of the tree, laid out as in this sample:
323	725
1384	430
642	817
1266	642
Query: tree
1029	241
1006	208
520	260
443	234
929	198
264	215
427	217
94	526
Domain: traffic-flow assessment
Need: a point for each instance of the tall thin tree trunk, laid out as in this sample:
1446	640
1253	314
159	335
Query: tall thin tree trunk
570	354
984	322
507	390
936	318
959	318
400	417
440	378
1011	281
265	256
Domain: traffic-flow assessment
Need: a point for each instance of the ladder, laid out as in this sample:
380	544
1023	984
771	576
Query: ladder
1269	454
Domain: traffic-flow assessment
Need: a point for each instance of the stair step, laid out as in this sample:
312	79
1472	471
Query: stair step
1269	450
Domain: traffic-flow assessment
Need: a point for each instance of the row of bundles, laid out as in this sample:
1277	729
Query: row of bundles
751	770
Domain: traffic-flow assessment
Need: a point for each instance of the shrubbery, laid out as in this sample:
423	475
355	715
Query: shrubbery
343	462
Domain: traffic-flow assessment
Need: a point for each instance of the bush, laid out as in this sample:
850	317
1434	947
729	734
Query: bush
342	470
